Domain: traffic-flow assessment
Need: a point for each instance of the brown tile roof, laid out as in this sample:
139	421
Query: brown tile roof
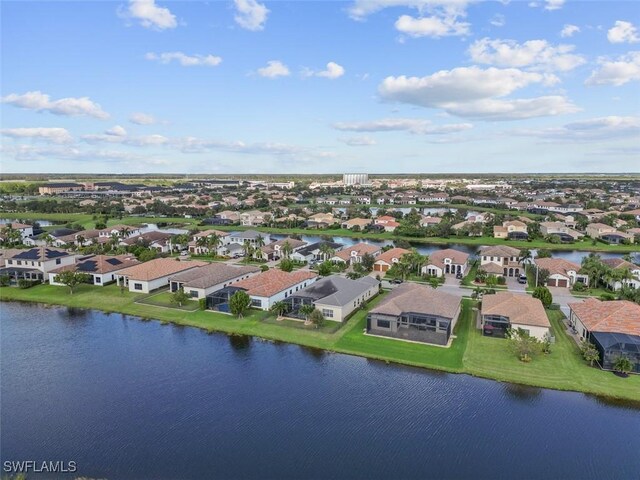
620	316
437	258
159	267
213	274
273	281
15	225
293	243
557	266
412	297
207	233
620	263
520	309
360	248
388	256
499	251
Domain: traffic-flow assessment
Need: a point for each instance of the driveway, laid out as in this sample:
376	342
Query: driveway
562	296
514	286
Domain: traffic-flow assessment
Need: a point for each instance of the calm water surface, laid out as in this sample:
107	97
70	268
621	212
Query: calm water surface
131	399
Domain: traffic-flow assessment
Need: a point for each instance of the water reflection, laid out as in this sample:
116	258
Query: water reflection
523	393
239	342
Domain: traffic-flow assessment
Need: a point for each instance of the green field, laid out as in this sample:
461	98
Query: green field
470	352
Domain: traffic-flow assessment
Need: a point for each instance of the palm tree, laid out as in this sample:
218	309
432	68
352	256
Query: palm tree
201	242
48	239
259	241
248	250
280	308
326	251
306	310
403	267
124	232
213	242
525	255
286	249
80	240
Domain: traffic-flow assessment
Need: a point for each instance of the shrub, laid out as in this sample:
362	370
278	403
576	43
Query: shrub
579	287
202	303
544	295
607	297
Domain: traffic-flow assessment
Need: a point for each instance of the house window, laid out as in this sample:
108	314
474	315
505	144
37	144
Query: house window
327	313
384	324
137	286
58	261
256	302
97	279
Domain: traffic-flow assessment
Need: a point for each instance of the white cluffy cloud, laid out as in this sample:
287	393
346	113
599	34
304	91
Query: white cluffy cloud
477	93
623	32
412	125
149	15
49	135
536	54
251	15
332	71
616	72
274	69
548	4
498	20
434	26
140	118
184	59
363	141
595	129
119	135
41	102
569	30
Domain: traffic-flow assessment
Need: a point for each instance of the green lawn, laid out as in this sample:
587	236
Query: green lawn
470	352
163	299
563	369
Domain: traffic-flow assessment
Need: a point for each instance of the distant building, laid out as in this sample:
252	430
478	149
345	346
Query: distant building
355	178
55	188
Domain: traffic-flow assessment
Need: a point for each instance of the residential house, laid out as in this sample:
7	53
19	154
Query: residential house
313	251
155	239
501	260
335	296
428	221
265	288
620	265
388	222
320	220
354	253
254	218
417	313
387	259
197	246
33	264
506	310
120	231
360	223
446	261
562	273
229	215
512	229
255	238
102	269
25	230
200	282
274	250
154	274
613	327
608	233
561	230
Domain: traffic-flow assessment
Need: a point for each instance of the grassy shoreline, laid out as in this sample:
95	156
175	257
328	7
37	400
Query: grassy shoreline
471	353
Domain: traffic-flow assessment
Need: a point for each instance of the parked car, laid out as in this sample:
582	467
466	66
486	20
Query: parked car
522	279
397	281
459	275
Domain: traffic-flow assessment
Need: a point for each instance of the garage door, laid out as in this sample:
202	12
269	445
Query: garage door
551	282
562	283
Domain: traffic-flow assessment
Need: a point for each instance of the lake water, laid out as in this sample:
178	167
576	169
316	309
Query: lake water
43	223
127	399
426	249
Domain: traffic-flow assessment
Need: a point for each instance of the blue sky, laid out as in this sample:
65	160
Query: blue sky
396	86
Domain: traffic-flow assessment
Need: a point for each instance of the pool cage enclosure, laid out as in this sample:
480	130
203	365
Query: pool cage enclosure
615	345
219	300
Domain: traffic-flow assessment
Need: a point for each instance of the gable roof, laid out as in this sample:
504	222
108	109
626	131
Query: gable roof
415	298
388	256
212	274
267	284
557	266
438	257
158	268
499	251
620	263
40	254
359	248
99	264
619	316
519	308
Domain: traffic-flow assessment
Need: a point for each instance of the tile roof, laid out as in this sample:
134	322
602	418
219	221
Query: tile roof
557	266
388	256
499	251
415	298
206	233
620	263
158	268
519	308
360	248
619	316
336	290
213	274
273	281
457	257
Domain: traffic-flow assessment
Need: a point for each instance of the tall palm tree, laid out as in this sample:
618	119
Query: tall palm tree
280	308
248	250
259	241
326	251
201	242
403	267
213	242
286	249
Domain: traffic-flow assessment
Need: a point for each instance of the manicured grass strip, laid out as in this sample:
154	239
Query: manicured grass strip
563	369
163	299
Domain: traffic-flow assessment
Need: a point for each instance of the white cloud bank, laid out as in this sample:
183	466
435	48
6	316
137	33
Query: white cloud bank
251	15
49	135
185	60
616	72
149	15
274	69
623	32
71	106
